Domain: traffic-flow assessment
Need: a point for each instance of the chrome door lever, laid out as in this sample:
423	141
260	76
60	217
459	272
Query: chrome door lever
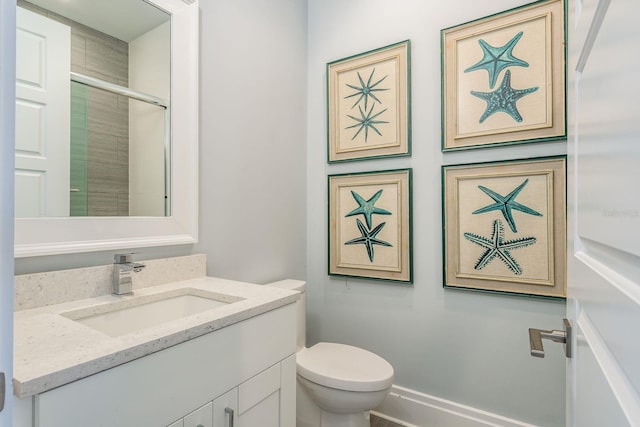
537	335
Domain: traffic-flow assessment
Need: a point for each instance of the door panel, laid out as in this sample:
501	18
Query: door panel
31	182
42	116
603	293
7	122
604	213
607	114
607	411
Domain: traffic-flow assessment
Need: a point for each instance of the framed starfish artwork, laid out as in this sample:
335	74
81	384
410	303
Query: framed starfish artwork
368	103
505	226
503	78
370	225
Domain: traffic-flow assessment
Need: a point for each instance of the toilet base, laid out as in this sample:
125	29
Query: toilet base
308	414
359	419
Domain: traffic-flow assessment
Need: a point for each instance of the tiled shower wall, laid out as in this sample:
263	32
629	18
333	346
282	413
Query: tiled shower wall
103	186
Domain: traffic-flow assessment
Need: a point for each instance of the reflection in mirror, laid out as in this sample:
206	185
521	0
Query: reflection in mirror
92	109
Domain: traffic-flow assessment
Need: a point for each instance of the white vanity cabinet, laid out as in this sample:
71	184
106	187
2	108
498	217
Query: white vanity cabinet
248	367
265	400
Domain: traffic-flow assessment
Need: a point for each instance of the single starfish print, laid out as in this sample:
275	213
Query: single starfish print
368	238
367	208
505	204
496	246
503	99
365	122
496	59
365	90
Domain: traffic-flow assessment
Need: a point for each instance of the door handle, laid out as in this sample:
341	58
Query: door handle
537	335
229	412
2	390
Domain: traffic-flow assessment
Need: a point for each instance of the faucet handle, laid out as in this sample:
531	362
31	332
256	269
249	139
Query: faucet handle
123	258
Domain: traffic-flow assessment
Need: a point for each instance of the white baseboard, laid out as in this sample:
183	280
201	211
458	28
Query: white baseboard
414	409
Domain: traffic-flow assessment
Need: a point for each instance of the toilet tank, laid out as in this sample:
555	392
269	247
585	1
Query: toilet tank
299	286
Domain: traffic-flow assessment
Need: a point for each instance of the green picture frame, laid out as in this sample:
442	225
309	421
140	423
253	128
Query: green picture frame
369	225
369	105
503	78
505	226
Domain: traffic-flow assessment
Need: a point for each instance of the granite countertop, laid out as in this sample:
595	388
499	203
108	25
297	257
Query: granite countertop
51	350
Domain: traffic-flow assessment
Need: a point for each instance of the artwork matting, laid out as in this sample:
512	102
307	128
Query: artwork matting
503	78
505	226
368	105
370	225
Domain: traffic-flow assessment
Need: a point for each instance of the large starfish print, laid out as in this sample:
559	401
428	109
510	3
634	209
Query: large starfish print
498	247
368	238
365	122
503	99
365	90
366	207
505	204
496	59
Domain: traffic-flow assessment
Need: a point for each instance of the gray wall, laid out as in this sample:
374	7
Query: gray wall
252	132
467	347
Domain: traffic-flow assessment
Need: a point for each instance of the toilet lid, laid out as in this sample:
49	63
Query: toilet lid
344	367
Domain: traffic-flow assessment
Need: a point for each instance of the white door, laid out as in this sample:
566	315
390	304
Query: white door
603	382
7	109
42	116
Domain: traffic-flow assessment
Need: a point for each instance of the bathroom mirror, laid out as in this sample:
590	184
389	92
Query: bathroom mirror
147	194
92	104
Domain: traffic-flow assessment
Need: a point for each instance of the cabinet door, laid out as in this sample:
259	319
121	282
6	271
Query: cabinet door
202	417
225	409
288	392
265	413
259	399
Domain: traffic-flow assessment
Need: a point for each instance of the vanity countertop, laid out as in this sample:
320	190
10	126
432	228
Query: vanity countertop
51	350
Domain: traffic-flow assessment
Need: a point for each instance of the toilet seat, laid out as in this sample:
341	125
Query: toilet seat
344	367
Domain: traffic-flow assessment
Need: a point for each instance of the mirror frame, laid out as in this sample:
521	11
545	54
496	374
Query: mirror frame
50	236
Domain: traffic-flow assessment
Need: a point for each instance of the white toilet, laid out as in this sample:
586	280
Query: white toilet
337	384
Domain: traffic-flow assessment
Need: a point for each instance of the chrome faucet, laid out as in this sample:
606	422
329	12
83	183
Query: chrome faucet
123	267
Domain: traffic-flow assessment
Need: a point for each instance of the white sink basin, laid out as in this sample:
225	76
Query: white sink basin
138	313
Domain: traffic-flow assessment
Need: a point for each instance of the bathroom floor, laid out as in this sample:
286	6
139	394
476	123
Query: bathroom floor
379	422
